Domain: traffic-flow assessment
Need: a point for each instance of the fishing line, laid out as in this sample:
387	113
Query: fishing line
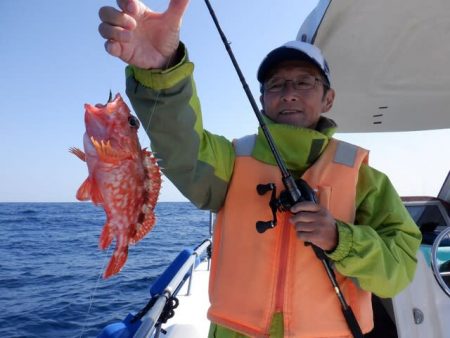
158	93
93	293
91	298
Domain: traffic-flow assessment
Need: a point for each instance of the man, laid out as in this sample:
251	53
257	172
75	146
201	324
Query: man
268	284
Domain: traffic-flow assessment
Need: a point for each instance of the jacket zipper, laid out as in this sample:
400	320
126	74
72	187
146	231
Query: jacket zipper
282	267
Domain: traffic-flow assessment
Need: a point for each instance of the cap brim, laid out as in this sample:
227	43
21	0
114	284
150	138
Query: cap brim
279	55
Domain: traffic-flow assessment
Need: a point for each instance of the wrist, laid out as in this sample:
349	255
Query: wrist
344	242
176	57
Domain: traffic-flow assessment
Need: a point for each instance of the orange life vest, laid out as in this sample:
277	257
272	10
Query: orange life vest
255	275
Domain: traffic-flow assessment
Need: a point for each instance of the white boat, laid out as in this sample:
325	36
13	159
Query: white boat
390	68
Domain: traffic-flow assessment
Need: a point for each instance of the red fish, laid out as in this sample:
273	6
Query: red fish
123	178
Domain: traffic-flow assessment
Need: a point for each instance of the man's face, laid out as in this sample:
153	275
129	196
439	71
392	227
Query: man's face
288	102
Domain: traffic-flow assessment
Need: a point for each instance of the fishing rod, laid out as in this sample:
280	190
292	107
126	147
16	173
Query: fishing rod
298	190
287	178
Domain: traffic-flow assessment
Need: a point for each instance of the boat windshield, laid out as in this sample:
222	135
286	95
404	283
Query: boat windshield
431	217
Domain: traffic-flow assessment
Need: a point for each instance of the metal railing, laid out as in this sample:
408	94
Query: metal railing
149	325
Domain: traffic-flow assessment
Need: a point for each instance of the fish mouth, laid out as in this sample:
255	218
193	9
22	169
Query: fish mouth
100	118
96	121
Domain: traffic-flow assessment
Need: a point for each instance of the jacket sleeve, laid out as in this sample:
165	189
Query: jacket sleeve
379	250
197	162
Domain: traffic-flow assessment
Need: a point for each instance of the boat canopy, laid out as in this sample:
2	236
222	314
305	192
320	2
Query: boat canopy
389	61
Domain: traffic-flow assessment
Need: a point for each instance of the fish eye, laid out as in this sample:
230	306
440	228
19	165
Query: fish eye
133	122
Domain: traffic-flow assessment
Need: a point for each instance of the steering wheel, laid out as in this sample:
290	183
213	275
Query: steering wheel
442	277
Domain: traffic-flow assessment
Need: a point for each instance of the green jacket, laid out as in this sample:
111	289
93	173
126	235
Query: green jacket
378	251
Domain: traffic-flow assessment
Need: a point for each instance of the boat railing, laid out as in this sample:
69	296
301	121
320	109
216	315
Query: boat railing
205	246
150	320
147	322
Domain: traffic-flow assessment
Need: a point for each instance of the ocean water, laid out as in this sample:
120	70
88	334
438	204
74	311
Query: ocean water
51	266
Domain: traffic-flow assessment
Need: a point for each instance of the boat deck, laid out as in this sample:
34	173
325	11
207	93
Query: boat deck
190	316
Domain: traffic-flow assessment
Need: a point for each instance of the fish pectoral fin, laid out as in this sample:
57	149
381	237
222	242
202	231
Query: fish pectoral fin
78	153
96	195
89	191
106	236
107	153
84	191
117	261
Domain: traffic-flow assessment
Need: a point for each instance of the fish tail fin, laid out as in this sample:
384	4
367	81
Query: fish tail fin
116	262
78	153
106	237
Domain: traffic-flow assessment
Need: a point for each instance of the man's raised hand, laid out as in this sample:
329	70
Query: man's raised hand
139	36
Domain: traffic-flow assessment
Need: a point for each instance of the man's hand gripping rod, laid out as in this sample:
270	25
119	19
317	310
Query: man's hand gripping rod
289	181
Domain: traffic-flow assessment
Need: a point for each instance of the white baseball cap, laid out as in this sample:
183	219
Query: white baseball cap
294	50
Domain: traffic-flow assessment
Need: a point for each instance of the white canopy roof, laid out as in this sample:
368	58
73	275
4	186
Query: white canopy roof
389	61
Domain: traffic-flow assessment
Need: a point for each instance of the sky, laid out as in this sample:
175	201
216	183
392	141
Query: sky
53	61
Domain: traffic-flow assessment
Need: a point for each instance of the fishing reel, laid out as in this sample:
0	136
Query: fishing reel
284	202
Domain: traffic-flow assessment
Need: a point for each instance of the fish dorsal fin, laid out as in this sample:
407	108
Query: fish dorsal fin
107	153
143	226
152	181
78	153
152	184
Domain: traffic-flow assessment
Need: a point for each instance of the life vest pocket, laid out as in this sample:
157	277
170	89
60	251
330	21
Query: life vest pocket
324	195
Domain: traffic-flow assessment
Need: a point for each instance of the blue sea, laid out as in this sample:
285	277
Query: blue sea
51	266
